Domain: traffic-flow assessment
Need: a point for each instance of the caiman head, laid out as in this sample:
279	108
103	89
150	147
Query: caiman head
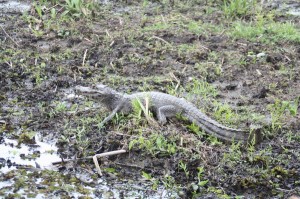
102	93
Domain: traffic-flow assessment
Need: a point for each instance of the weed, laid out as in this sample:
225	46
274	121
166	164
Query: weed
201	182
292	136
27	138
201	88
154	181
110	170
184	49
157	26
195	27
183	166
140	107
238	8
278	110
234	155
53	13
168	181
265	31
196	129
60	107
223	112
39	10
155	145
74	7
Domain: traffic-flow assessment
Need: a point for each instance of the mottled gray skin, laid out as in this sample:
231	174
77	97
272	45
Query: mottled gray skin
165	106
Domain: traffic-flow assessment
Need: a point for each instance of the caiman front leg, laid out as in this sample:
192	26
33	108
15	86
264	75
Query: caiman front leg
112	114
165	111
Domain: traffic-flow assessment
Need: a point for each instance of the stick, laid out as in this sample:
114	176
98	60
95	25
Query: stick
94	158
84	57
103	155
161	39
9	36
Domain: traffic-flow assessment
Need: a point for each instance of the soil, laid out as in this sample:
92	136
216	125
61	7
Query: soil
133	47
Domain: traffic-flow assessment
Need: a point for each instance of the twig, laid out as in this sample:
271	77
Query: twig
129	165
107	33
103	155
84	57
9	36
161	39
9	64
94	158
112	43
204	47
70	160
287	58
163	19
176	79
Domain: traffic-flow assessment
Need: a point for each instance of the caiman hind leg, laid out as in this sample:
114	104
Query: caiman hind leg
163	112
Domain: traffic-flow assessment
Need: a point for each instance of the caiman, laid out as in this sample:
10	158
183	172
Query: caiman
165	106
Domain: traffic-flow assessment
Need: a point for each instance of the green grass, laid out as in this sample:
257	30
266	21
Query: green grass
202	89
157	26
156	145
239	8
280	109
268	32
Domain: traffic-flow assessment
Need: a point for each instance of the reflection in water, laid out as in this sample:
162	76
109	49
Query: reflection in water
39	155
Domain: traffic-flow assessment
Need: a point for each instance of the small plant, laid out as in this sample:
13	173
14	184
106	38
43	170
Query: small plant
39	10
183	166
168	181
53	13
202	88
265	31
223	112
148	176
74	6
111	170
201	182
60	107
278	110
238	8
195	27
140	107
155	145
78	8
196	129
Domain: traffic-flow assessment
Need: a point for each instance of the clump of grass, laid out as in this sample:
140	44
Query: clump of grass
239	8
202	88
79	8
279	109
155	145
266	31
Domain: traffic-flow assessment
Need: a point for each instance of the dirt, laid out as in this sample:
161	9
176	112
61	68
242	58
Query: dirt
134	47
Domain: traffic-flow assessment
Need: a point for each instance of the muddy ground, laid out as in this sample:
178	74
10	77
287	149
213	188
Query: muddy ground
190	49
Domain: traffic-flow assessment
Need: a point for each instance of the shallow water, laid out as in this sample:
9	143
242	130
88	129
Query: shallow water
14	6
14	156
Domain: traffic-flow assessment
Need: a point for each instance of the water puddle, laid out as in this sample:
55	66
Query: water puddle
11	6
289	7
39	155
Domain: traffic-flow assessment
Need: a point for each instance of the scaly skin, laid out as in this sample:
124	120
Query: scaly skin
165	106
